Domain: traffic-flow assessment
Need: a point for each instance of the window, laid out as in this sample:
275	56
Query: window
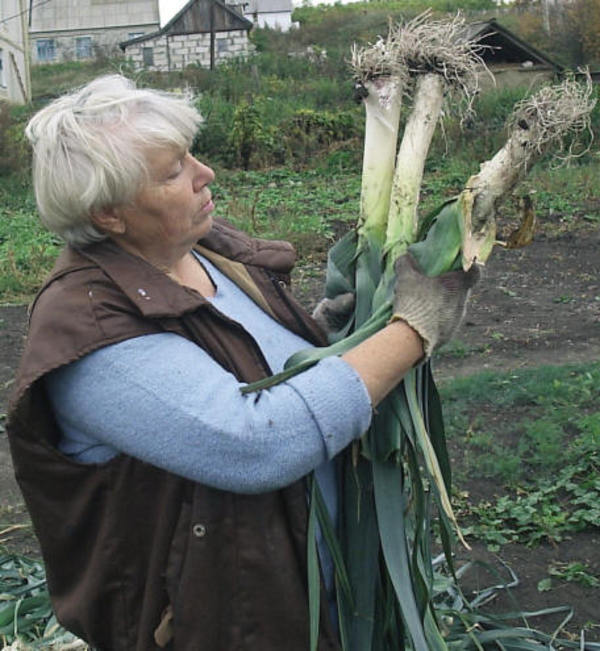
46	49
83	47
2	82
148	56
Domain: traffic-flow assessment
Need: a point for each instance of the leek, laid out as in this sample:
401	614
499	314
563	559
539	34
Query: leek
438	59
379	79
400	471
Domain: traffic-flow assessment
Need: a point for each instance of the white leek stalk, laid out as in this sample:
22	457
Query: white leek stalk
439	57
410	163
537	123
382	109
380	77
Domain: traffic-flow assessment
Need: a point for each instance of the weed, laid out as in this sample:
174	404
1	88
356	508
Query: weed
575	572
547	452
456	348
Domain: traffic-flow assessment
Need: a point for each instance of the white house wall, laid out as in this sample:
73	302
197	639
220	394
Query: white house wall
15	84
70	26
276	14
185	49
60	15
103	41
274	20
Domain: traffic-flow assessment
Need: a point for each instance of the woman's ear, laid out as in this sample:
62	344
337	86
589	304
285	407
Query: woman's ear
109	220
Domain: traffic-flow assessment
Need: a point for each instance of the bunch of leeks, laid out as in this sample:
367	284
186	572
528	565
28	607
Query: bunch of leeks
396	480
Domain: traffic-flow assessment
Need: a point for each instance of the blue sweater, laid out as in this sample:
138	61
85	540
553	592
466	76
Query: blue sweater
162	399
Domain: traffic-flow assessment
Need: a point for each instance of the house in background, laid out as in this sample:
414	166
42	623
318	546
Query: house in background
15	83
276	14
82	29
204	32
512	62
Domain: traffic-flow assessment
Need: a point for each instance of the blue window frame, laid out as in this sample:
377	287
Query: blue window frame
46	49
83	47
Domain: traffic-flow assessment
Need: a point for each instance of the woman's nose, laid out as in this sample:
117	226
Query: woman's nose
203	174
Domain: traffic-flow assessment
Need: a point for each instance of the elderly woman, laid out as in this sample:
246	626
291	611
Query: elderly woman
170	508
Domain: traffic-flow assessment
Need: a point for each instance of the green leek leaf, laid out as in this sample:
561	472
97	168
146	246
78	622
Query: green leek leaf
390	516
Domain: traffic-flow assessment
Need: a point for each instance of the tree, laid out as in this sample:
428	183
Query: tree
582	28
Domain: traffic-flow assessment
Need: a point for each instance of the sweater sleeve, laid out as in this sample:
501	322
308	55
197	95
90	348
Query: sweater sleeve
164	400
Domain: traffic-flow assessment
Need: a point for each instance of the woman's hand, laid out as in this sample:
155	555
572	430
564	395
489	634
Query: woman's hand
433	307
427	312
332	314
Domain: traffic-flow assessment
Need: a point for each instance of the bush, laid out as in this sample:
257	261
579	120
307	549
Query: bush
248	135
263	132
211	141
310	129
14	149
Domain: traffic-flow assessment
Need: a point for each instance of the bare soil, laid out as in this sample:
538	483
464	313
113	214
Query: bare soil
535	306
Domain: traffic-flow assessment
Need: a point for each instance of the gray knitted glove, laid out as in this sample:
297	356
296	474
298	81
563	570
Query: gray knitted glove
333	313
433	307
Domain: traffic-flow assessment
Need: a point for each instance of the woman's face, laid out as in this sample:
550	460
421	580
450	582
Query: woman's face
173	209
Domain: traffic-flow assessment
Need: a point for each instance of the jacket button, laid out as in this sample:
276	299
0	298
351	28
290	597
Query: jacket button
199	530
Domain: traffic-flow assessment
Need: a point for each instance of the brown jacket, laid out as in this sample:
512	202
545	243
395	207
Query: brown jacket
123	540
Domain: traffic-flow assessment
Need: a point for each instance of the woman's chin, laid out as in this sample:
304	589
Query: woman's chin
205	226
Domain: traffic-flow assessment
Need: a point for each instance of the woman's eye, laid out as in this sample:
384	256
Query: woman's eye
176	171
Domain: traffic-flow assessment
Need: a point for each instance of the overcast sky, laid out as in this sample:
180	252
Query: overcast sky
169	8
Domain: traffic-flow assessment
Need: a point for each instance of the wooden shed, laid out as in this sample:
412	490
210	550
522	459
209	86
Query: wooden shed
512	61
204	32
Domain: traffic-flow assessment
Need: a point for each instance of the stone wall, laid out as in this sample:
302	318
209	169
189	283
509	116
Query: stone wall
182	50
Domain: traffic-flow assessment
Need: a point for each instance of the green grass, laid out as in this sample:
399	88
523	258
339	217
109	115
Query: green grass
27	250
534	437
283	203
56	78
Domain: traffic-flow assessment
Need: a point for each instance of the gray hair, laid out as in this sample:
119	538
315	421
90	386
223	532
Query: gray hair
89	150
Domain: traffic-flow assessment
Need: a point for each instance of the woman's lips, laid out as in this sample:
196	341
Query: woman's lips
209	206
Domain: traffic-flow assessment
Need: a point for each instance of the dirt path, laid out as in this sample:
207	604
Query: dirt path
535	306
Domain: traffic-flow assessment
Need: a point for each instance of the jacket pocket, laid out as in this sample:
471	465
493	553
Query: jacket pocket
177	553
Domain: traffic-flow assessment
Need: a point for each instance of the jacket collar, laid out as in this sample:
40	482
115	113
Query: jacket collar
155	294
